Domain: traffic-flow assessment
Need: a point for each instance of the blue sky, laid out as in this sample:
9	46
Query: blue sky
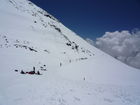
92	18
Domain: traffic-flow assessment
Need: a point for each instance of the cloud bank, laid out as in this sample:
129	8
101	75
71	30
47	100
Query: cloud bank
123	45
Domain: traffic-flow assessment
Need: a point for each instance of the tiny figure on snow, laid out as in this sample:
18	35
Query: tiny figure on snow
22	72
38	73
84	78
60	64
34	69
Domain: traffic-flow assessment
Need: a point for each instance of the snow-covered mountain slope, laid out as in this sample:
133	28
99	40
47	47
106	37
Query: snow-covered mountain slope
73	72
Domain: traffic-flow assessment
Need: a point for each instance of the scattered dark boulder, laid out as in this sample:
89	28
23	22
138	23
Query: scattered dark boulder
47	51
47	15
76	47
58	29
43	68
35	21
68	44
16	70
31	49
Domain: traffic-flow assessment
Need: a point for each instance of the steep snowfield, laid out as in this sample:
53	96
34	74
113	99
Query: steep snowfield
76	73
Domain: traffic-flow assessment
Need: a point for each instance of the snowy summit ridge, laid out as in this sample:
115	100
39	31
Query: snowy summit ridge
45	63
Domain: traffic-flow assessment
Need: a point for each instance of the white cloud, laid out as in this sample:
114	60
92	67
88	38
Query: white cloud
123	45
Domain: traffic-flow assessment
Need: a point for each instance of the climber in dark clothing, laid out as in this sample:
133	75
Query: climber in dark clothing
60	64
38	73
33	70
22	72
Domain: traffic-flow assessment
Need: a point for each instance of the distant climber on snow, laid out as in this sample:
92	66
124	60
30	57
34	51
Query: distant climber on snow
22	72
38	73
60	64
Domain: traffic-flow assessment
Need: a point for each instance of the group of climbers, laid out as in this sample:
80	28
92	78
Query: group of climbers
42	68
29	72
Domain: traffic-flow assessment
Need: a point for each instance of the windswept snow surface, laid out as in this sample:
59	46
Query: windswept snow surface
76	73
